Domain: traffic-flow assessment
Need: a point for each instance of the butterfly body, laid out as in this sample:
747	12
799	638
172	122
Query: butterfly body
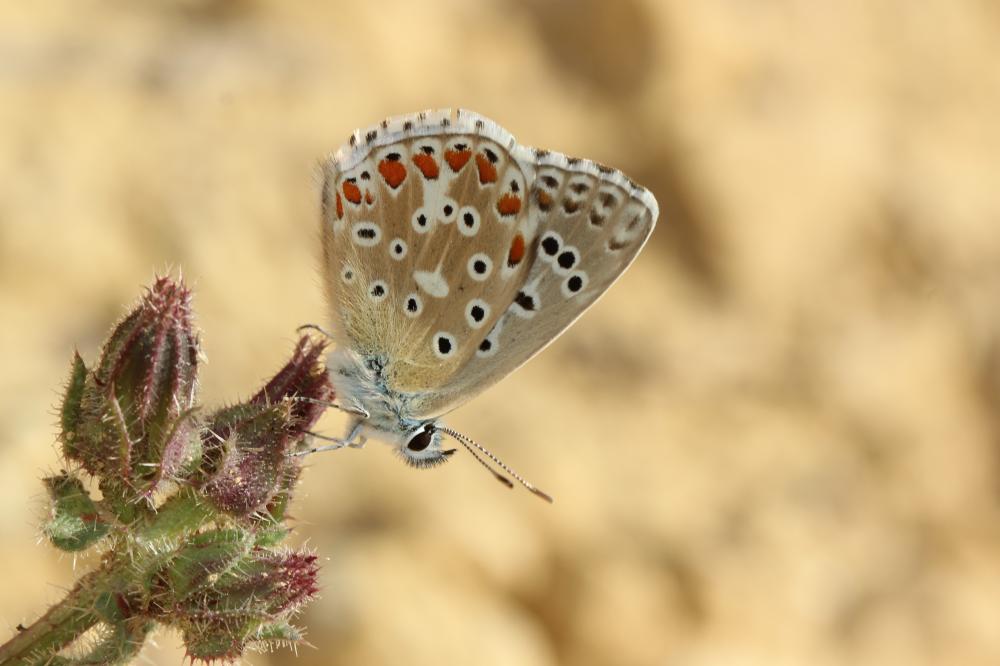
384	413
451	256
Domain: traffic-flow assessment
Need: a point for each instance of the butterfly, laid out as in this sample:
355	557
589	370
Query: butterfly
451	255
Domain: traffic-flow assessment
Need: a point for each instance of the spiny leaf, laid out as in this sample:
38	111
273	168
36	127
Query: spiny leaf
199	562
71	406
75	524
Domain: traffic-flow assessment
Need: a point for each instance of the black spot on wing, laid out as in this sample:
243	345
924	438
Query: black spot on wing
526	302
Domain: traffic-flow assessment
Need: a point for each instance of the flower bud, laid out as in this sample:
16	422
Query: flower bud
251	444
248	446
128	420
223	596
304	378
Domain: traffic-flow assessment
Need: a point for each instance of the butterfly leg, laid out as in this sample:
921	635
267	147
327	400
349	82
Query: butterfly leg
314	327
354	440
356	410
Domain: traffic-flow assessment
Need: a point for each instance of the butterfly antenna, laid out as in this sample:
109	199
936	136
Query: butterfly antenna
473	446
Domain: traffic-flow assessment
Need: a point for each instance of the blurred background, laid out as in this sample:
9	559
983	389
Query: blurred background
775	441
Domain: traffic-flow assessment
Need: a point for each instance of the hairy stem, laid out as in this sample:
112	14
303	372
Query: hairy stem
60	626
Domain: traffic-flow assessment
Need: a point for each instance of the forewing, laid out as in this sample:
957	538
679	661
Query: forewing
426	240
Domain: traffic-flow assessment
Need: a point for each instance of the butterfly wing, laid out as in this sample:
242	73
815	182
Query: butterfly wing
426	241
589	222
452	255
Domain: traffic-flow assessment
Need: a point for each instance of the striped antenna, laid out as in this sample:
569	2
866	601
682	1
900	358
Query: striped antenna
471	445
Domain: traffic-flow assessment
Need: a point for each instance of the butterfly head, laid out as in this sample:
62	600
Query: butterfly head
421	446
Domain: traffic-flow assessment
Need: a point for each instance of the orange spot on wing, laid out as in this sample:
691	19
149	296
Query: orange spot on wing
369	199
509	204
340	206
516	253
429	167
456	159
487	172
352	192
393	172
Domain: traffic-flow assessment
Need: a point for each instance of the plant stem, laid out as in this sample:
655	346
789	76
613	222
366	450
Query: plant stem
59	627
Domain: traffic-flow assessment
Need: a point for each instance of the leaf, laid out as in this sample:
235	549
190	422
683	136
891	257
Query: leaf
75	524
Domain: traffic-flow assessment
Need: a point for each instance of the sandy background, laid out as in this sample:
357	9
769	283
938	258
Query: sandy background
776	440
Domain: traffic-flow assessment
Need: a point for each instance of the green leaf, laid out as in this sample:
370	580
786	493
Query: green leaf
199	562
279	631
75	524
270	535
120	643
209	641
69	415
277	634
184	512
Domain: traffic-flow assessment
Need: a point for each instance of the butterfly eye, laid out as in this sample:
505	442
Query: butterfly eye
421	440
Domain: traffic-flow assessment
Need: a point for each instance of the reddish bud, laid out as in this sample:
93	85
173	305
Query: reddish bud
246	604
247	447
132	420
305	380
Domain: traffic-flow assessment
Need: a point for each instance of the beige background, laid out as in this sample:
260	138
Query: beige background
775	441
